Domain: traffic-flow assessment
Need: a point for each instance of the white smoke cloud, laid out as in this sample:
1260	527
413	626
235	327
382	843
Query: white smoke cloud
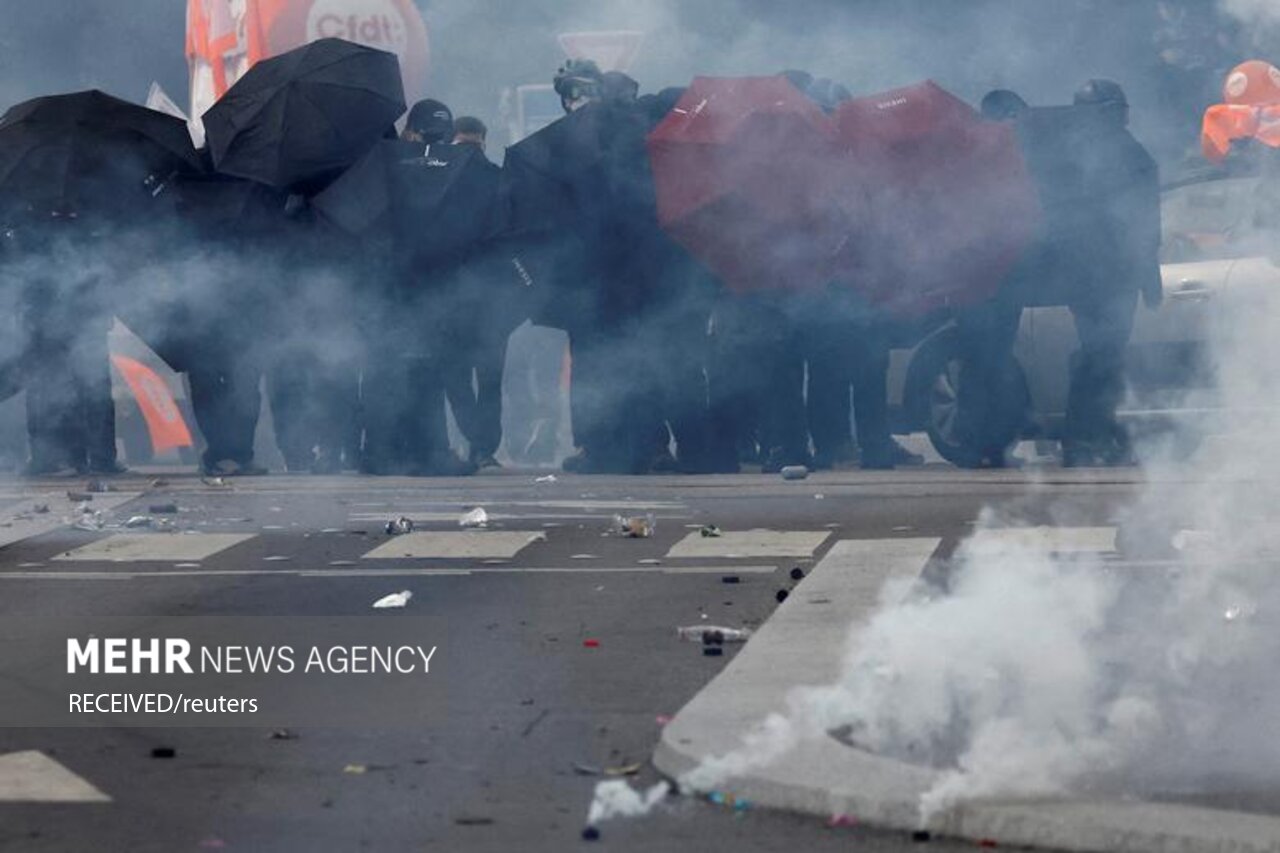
1040	675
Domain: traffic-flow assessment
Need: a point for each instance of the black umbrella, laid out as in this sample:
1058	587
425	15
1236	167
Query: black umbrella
88	153
297	120
438	204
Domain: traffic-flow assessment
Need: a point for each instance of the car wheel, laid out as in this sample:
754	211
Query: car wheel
933	387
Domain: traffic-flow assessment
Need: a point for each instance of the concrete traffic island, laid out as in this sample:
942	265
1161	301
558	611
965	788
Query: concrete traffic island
803	645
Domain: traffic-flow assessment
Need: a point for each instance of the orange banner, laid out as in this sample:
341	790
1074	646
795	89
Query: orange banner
159	409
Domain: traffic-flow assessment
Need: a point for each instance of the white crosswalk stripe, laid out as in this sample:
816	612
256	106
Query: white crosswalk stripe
455	545
33	777
1050	540
155	547
750	544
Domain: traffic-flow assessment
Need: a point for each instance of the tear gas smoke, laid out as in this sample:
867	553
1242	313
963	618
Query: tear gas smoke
1039	675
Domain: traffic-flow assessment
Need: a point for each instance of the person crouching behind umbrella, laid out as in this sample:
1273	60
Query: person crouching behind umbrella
406	431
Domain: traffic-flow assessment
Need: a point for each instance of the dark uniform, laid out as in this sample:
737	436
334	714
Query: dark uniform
1116	259
64	324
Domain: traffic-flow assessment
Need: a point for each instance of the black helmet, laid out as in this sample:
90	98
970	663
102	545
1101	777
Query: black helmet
432	119
1002	105
578	79
1100	92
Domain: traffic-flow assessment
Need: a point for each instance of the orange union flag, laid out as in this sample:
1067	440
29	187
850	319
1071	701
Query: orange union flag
226	37
159	409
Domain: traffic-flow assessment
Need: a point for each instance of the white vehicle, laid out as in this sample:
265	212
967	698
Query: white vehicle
1208	263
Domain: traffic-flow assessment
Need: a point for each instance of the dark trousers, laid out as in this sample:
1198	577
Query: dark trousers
403	403
989	399
70	411
1103	324
472	376
315	409
226	401
843	355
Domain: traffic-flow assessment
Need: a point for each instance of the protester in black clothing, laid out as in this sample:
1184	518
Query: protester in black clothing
481	320
403	387
1116	258
989	399
64	321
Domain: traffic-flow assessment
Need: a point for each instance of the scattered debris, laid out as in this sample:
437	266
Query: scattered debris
623	770
988	842
533	724
819	497
795	472
712	651
590	833
277	558
921	835
163	509
730	579
40	509
550	478
79	497
797	574
396	599
587	769
342	562
187	566
663	719
710	531
636	527
138	521
282	734
356	769
1232	614
713	635
332	530
584	557
476	518
163	752
399	526
591	644
473	821
840	820
216	482
90	520
159	483
781	595
734	802
98	487
650	562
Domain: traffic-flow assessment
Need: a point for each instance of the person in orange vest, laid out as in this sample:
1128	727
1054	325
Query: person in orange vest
1250	110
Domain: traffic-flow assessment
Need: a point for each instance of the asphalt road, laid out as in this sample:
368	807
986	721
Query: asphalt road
552	662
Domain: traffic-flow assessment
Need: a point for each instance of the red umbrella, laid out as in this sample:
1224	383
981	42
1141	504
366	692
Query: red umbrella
741	171
947	203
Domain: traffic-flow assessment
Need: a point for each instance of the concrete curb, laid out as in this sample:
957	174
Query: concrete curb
827	779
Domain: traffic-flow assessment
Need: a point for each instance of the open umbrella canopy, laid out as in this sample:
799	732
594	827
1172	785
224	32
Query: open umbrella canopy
744	170
297	120
586	166
88	154
940	204
436	204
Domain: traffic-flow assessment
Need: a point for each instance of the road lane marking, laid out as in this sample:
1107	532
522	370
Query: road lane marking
750	543
1051	540
155	547
383	573
33	777
454	545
